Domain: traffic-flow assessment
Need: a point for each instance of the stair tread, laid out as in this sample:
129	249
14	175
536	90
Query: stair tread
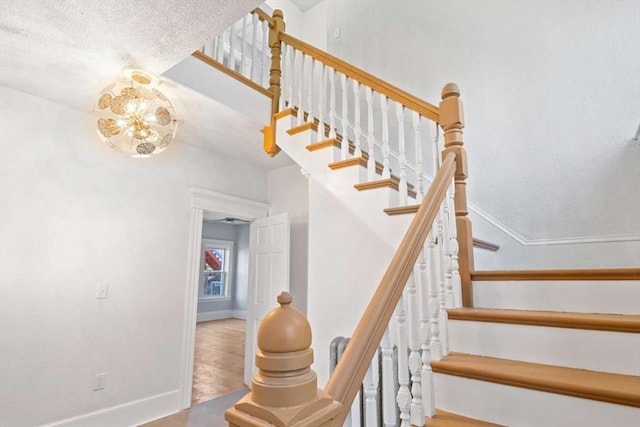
582	383
578	274
449	419
593	321
392	182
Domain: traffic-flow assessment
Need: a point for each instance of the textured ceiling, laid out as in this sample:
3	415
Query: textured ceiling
68	50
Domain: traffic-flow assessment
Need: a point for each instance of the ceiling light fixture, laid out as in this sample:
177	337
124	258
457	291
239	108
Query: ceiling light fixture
135	117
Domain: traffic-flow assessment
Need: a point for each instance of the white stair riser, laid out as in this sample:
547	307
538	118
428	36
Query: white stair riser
368	205
615	352
618	297
521	407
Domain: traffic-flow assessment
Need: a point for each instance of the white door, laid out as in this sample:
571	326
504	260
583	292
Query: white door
268	276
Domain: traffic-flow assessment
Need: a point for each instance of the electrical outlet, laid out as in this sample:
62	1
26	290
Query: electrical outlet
102	291
337	33
99	382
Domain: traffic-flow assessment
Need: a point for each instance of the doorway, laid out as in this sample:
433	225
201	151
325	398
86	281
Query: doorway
218	367
205	204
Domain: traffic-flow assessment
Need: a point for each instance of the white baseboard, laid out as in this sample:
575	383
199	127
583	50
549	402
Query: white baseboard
221	314
240	314
214	315
127	414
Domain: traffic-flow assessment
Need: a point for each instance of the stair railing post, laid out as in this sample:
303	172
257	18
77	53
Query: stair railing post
275	45
284	391
452	123
275	77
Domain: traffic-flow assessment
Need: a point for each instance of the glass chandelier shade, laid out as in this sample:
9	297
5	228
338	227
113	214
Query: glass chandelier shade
134	116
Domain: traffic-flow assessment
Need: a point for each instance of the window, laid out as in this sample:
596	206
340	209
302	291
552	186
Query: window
216	260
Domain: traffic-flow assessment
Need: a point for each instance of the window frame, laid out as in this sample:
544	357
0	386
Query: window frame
228	246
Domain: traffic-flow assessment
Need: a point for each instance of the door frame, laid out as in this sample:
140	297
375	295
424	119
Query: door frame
202	201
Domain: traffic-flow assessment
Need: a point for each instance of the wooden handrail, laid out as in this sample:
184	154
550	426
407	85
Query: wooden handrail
483	244
350	371
262	15
414	103
231	73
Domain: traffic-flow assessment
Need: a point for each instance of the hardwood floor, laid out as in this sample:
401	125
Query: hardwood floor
217	375
219	359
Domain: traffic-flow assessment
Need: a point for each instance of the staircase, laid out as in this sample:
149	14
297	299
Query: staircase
516	348
552	348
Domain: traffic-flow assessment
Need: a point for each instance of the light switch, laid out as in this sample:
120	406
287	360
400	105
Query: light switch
103	291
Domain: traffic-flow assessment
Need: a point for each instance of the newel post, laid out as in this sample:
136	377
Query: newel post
276	26
284	391
452	123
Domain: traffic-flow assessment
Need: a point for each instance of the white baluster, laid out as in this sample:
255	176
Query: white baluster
402	156
389	413
371	162
286	76
384	107
440	255
357	130
447	260
354	417
301	89
220	48
344	145
435	147
321	100
207	49
254	48
243	52
266	53
291	58
419	167
426	374
404	395
415	362
232	51
310	91
370	385
332	103
434	303
456	283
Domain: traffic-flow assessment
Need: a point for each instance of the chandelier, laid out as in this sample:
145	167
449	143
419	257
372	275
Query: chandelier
135	117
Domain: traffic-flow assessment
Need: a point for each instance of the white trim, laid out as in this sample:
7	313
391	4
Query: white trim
229	257
204	200
239	314
133	413
552	241
584	240
236	207
205	316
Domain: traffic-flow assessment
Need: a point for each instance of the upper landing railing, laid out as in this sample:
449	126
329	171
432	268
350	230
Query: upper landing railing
398	136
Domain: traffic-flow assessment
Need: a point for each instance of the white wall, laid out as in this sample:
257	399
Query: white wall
101	218
287	191
242	272
347	261
548	128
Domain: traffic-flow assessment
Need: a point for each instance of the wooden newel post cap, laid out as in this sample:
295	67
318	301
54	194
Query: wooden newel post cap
278	14
284	357
284	329
450	89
